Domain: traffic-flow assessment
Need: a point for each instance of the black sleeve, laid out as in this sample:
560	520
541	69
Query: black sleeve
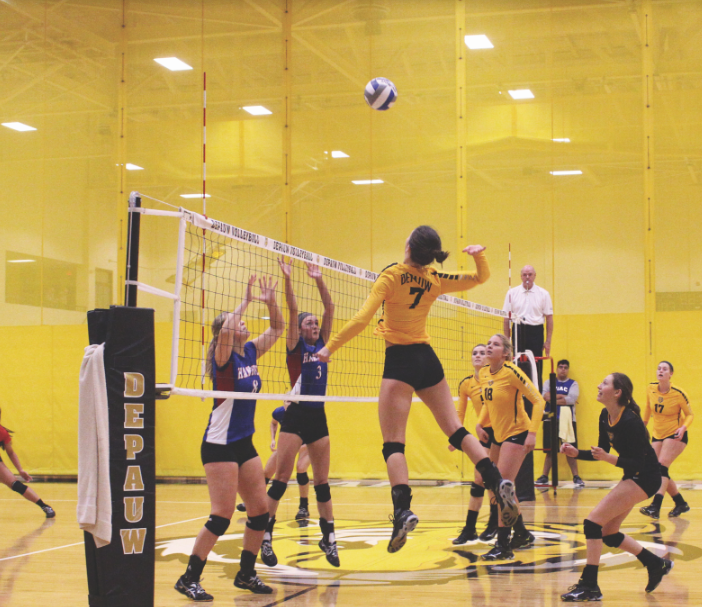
602	442
585	454
636	443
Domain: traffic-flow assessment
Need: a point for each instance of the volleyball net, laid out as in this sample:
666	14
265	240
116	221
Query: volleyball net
214	263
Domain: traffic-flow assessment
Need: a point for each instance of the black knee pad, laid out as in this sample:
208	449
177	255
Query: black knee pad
390	448
19	487
477	490
457	437
258	523
323	493
593	531
302	478
277	489
664	471
217	524
613	540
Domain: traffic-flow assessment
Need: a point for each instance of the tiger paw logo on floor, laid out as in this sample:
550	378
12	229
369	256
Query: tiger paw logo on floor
428	557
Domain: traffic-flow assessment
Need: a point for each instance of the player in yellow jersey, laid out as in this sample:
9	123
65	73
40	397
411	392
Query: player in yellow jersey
406	291
469	389
669	409
503	384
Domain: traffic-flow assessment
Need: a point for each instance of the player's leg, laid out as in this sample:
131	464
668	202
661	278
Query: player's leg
654	508
490	530
477	491
303	483
7	478
670	451
319	454
440	402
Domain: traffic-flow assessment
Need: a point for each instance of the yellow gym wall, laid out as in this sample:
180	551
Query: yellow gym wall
616	246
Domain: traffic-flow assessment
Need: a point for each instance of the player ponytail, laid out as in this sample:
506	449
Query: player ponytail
216	328
626	399
425	246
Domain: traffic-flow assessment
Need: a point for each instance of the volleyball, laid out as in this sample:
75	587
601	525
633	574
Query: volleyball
380	94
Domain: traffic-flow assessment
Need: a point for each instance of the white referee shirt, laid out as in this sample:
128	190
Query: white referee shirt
531	306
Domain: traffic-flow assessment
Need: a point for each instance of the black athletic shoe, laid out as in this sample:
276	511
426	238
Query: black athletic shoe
51	513
507	500
329	548
241	507
582	592
499	553
250	581
401	526
467	535
542	481
267	555
651	511
655	574
677	511
488	533
302	514
192	590
522	540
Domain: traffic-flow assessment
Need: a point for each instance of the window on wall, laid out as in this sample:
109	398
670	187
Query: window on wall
103	288
40	281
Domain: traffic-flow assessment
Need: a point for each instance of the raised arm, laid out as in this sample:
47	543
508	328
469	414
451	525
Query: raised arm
549	333
274	429
225	339
646	410
293	334
315	274
15	460
265	341
451	282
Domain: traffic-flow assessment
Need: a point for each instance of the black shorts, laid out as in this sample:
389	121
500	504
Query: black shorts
649	482
239	451
414	364
517	439
547	434
491	440
660	440
309	423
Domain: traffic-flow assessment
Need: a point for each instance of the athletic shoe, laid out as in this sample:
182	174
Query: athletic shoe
522	540
402	524
499	553
241	507
651	511
51	513
578	482
302	513
467	535
656	573
542	481
192	590
677	511
267	555
489	532
250	581
507	500
582	592
329	548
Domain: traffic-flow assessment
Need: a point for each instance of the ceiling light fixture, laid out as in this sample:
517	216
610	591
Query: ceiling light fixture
257	110
173	63
133	167
561	173
194	196
367	181
478	41
339	154
18	126
521	94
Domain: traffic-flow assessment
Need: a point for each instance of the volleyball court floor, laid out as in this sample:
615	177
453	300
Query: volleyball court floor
42	561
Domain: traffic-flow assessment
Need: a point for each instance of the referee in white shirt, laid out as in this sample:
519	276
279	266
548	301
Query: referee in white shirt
533	305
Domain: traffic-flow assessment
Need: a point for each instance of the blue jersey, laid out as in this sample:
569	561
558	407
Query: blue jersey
568	388
303	365
232	420
278	414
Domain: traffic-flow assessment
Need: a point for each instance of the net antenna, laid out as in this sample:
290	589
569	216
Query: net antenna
214	261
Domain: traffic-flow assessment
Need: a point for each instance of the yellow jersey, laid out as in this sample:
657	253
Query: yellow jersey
469	388
669	411
503	405
407	294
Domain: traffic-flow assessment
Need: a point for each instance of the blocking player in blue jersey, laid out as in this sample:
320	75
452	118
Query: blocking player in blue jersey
305	422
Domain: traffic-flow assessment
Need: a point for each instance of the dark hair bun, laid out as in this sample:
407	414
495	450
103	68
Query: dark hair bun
425	246
441	256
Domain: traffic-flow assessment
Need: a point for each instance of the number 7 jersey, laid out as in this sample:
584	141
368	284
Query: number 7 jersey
407	294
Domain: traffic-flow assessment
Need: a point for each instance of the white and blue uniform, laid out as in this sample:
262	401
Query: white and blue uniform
569	389
232	420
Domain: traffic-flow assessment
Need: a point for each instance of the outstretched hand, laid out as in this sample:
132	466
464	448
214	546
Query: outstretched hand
267	287
285	268
474	249
569	450
313	271
26	476
249	288
324	355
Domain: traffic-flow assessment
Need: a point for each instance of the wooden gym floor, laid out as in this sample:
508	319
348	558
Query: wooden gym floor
42	561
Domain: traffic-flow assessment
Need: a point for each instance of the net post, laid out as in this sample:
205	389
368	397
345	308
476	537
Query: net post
554	429
132	273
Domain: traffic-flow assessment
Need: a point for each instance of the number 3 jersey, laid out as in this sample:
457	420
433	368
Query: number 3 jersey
308	375
232	420
406	294
669	411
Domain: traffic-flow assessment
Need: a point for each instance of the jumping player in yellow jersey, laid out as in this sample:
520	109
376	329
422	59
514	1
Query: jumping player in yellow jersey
503	385
469	388
669	408
406	291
